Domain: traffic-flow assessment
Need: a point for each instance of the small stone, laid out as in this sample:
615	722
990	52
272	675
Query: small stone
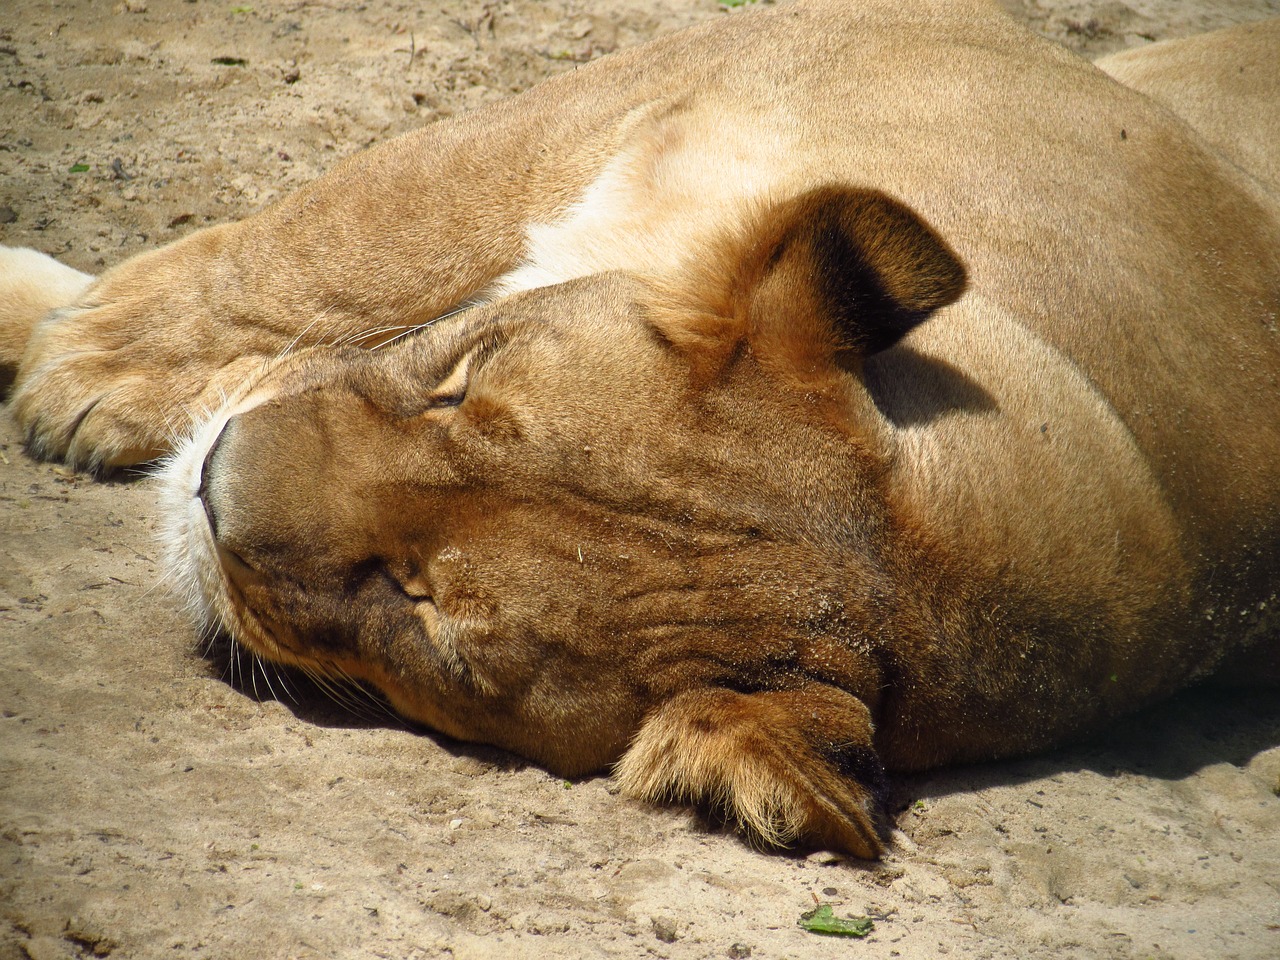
470	767
826	857
46	948
664	928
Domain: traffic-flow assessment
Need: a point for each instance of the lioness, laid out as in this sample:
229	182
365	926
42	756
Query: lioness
684	483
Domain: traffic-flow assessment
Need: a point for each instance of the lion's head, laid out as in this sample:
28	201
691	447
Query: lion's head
615	518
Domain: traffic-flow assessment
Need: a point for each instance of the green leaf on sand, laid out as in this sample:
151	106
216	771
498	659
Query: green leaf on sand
821	920
79	168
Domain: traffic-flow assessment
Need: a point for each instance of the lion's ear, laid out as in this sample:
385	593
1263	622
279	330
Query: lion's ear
836	270
852	269
788	767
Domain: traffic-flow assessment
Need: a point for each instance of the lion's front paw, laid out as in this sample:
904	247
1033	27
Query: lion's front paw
80	396
87	401
788	766
101	388
117	377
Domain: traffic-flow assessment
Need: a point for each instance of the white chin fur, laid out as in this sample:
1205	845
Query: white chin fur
189	554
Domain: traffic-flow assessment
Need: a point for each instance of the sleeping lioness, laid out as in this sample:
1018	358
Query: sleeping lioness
827	389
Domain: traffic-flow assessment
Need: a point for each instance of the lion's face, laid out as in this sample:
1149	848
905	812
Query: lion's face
538	522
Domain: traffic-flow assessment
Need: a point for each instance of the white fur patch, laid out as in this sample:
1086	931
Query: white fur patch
682	179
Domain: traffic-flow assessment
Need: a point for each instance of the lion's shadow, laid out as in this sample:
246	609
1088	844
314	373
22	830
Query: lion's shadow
1171	741
914	389
333	704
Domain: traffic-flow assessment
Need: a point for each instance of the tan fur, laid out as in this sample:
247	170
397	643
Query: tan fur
1225	84
843	387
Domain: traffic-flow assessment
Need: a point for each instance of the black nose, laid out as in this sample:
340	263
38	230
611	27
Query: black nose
203	490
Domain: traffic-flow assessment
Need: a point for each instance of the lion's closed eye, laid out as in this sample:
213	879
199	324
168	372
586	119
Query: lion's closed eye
452	390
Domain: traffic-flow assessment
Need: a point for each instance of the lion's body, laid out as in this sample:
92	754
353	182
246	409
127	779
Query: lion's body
1223	84
759	531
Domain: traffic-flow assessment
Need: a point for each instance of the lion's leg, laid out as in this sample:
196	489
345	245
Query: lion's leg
388	240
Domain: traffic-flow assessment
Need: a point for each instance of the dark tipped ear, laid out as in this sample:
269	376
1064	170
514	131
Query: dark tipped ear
834	270
793	766
847	269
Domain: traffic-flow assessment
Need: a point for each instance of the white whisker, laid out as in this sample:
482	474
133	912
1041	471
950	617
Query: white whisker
422	326
281	678
366	334
334	692
289	348
266	677
366	695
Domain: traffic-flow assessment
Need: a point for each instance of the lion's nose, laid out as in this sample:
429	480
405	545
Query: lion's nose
202	491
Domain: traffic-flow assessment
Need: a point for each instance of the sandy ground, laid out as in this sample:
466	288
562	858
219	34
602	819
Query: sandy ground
152	804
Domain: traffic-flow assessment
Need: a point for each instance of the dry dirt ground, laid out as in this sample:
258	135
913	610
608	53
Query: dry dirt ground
153	805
